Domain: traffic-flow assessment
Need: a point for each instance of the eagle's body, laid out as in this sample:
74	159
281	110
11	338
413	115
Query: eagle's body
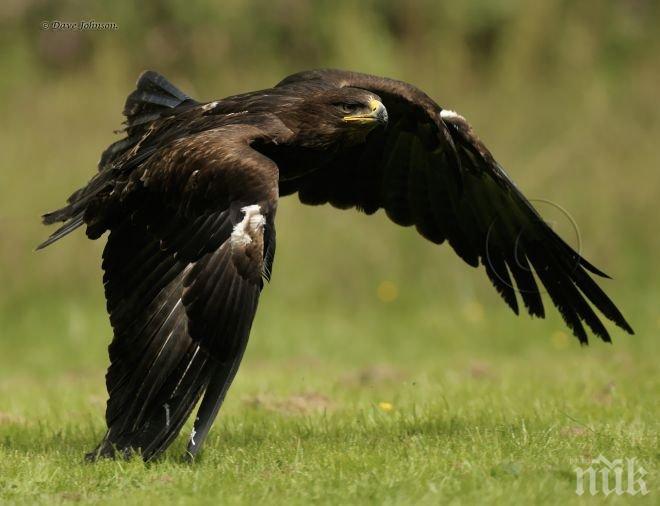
190	195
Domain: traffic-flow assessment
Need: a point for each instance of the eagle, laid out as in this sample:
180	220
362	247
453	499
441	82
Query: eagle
189	197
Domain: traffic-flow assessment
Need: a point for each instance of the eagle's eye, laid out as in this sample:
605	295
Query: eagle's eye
347	108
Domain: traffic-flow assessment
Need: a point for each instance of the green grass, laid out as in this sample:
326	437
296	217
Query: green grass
486	407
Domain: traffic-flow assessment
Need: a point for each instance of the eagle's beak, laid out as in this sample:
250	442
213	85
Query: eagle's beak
379	111
378	114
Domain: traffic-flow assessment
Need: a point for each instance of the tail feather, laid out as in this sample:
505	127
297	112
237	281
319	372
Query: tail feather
73	214
153	98
57	216
67	228
153	95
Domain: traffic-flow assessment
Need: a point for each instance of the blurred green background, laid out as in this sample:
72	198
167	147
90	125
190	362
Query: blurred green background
564	93
359	311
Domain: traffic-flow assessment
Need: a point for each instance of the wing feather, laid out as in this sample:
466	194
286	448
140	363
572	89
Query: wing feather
180	294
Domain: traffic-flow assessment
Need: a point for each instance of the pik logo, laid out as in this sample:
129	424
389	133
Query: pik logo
619	476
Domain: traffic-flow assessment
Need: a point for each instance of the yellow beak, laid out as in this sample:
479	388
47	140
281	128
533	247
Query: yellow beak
378	114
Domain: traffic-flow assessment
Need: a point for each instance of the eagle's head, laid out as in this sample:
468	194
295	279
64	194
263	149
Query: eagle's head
341	116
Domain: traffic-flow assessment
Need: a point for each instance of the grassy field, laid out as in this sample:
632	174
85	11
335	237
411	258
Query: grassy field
403	403
381	369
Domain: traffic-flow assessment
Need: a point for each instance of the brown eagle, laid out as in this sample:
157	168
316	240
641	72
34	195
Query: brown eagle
189	199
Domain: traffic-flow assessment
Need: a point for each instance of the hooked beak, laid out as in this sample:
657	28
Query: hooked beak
378	114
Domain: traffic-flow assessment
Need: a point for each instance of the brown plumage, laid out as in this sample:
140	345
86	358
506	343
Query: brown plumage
189	197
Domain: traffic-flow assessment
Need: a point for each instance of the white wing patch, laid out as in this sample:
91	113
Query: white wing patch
447	114
253	221
209	106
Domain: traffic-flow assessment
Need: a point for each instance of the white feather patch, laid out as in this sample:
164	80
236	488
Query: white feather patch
252	221
448	114
209	106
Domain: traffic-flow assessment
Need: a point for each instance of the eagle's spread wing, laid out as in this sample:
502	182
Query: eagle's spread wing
429	169
191	238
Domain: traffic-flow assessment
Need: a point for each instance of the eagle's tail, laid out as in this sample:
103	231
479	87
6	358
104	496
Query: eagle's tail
65	229
153	95
73	214
153	98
